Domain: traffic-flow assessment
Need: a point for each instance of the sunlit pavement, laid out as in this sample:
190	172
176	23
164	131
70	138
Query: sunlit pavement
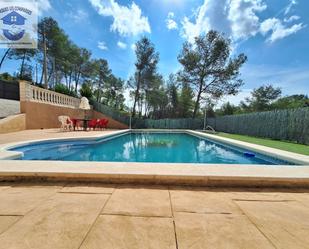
47	133
122	216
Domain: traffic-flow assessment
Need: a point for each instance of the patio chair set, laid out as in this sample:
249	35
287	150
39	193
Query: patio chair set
68	124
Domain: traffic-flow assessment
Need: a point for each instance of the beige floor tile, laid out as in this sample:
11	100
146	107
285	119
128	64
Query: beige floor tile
126	232
218	231
7	221
91	188
301	197
4	186
202	201
46	133
258	194
20	200
286	224
139	202
61	222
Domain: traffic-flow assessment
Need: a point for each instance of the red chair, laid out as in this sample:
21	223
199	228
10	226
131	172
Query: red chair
103	123
93	124
75	123
106	123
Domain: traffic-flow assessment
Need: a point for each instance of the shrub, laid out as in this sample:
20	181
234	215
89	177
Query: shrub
85	91
60	88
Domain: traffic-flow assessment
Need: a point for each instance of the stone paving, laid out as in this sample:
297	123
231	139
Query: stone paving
89	216
27	135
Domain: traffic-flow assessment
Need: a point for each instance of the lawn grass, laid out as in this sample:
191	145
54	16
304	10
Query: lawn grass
282	145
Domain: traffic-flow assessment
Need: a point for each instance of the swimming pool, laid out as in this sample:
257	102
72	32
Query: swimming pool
171	147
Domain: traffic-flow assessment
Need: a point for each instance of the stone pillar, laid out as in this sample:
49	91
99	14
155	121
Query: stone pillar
24	94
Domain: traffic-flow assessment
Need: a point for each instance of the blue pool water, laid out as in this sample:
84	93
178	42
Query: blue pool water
144	147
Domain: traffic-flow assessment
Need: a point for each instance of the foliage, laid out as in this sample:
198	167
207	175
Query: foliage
25	55
173	96
209	68
26	73
261	98
186	103
145	75
113	92
7	76
228	109
208	72
68	67
85	90
60	88
210	113
293	101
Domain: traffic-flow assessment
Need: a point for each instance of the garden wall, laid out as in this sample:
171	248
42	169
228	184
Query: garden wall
184	123
45	116
291	124
42	108
9	90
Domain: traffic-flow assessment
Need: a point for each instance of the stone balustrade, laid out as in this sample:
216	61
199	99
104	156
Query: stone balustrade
33	93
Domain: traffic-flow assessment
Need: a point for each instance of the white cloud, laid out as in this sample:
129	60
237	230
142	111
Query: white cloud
198	26
238	19
291	19
278	30
133	46
102	45
121	45
43	6
289	6
78	15
170	22
243	17
127	20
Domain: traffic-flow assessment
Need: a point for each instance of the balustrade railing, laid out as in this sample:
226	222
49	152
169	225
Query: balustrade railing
36	94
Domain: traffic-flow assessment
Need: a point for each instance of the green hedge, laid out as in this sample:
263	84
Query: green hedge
184	123
290	125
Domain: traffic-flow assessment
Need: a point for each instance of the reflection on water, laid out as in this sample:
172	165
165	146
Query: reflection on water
144	147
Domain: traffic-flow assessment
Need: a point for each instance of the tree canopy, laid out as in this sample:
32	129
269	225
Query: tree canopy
262	98
208	67
209	71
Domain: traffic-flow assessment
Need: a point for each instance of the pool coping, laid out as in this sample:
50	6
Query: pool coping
159	173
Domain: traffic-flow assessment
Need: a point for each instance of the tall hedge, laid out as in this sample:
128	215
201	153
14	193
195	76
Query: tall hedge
291	124
183	123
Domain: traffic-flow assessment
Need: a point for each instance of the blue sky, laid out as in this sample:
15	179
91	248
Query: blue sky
272	33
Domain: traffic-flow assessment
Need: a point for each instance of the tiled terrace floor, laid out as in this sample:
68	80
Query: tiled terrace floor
44	134
117	216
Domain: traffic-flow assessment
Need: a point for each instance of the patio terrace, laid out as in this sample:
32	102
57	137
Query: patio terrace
73	216
79	215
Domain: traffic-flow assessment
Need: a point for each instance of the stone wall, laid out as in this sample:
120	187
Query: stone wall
13	123
9	107
42	108
45	116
